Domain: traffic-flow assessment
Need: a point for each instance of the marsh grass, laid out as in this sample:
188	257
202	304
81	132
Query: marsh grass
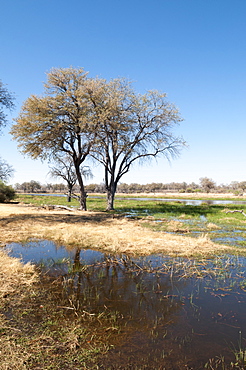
100	231
239	362
14	276
48	327
115	232
159	210
41	328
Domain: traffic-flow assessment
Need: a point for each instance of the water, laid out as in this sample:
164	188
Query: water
173	313
190	202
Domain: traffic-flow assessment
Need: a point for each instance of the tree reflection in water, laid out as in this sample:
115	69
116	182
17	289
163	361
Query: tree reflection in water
168	313
135	290
163	319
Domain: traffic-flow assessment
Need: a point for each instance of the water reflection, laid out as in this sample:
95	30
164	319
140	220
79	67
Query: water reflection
190	202
170	313
139	291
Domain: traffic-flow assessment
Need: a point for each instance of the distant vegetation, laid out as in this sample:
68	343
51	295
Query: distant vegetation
205	185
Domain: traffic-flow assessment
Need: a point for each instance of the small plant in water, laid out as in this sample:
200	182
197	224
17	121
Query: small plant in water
240	355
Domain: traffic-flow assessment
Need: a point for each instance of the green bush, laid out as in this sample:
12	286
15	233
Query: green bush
189	190
7	193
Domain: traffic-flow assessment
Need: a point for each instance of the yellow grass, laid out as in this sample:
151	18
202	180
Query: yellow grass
14	275
98	230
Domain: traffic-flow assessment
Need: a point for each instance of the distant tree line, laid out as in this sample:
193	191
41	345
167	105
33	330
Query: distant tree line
205	185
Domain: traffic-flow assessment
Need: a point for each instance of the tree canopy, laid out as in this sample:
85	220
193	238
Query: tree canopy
6	102
207	184
133	127
61	121
94	118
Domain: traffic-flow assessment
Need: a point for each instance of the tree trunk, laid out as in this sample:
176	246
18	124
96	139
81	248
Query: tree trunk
69	195
110	197
77	264
110	201
83	197
83	194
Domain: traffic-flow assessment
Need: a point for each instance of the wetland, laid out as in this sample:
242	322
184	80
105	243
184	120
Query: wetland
148	286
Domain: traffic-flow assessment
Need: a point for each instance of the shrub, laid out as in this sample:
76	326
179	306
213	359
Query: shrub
7	193
190	190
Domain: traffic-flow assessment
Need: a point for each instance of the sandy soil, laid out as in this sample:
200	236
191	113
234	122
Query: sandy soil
97	230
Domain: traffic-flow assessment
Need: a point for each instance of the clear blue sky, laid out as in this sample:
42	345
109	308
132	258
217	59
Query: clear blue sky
194	50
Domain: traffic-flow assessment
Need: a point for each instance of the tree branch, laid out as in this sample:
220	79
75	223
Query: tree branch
237	210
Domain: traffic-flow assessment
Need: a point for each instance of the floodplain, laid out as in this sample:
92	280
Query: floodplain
146	286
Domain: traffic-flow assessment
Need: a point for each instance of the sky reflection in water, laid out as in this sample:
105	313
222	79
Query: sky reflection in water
173	312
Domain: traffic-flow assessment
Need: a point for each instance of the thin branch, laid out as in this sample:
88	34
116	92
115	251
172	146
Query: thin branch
237	210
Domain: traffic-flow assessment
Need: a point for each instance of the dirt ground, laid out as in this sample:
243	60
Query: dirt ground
96	230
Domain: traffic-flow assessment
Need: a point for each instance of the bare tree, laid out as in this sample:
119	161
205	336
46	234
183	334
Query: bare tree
6	171
64	168
133	128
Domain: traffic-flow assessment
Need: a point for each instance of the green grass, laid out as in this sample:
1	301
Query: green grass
157	209
38	200
157	215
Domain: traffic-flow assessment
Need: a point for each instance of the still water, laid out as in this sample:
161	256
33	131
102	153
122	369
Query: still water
190	202
174	313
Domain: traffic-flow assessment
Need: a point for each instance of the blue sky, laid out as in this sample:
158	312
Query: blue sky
194	50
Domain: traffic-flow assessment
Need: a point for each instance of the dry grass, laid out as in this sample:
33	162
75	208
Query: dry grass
14	275
176	226
212	226
12	356
98	230
16	281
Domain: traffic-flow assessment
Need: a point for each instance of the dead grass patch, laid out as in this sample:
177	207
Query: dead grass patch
98	230
16	282
212	226
14	275
176	226
12	356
